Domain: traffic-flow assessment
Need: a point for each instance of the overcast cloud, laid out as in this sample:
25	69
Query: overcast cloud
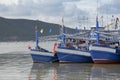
52	10
112	7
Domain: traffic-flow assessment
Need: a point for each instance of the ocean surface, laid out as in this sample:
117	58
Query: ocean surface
16	64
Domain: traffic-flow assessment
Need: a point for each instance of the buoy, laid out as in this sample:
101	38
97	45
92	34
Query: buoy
54	48
29	47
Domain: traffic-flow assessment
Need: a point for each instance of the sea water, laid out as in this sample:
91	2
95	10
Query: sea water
16	64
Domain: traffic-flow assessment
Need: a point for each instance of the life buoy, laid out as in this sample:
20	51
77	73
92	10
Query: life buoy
54	48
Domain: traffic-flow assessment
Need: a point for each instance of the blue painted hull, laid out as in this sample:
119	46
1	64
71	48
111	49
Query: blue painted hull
104	57
42	58
66	57
100	56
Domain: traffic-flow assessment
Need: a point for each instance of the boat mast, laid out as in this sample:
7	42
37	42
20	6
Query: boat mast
36	37
97	29
97	26
63	32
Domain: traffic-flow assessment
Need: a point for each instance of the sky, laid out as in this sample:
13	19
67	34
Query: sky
76	13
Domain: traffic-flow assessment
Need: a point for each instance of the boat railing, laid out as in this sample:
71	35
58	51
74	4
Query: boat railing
48	38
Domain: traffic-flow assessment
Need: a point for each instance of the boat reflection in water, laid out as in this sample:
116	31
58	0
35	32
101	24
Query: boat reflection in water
43	71
74	71
55	71
105	72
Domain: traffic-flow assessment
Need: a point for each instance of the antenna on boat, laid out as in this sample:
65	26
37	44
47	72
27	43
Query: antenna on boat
36	37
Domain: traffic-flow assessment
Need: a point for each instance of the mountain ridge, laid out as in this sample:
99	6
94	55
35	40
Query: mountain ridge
24	29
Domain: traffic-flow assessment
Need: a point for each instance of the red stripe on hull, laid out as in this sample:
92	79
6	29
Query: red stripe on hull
106	61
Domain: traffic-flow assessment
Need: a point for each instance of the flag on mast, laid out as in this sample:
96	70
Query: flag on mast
41	31
50	30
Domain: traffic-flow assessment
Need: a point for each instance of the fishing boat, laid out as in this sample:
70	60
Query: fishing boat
105	53
72	49
42	55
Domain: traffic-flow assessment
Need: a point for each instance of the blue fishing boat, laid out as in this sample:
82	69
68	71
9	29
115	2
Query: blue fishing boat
73	55
42	55
71	49
105	53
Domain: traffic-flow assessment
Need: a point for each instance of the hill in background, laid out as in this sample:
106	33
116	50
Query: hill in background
24	30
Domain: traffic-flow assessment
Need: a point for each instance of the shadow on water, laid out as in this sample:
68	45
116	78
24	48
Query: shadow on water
77	71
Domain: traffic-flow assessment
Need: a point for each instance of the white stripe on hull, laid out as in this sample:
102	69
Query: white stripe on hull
99	48
42	53
77	52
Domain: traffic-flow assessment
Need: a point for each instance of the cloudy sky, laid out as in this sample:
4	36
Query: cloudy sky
75	12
